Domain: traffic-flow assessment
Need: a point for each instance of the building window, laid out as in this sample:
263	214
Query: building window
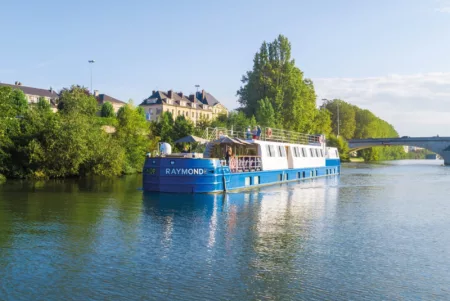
173	113
187	114
150	111
193	114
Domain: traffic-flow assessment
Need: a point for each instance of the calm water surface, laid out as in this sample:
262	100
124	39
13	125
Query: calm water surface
377	232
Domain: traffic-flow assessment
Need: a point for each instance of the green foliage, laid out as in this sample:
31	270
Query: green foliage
341	145
42	144
43	105
163	129
345	118
265	115
182	128
107	110
322	122
133	133
13	102
77	100
276	79
2	179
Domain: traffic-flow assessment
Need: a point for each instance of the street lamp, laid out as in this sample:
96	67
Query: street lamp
90	63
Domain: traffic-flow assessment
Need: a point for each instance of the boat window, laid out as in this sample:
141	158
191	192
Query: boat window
281	151
305	154
312	152
321	153
337	155
268	151
317	153
298	151
272	151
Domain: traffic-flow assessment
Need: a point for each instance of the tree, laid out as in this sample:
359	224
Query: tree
322	122
265	114
341	145
163	129
13	102
77	100
133	133
345	118
182	128
43	105
275	77
107	110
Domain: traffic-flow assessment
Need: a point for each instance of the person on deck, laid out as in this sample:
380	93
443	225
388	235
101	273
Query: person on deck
255	133
228	154
258	133
249	134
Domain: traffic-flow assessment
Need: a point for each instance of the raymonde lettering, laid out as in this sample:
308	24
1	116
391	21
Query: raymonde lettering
185	171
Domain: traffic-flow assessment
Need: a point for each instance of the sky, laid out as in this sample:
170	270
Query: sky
389	56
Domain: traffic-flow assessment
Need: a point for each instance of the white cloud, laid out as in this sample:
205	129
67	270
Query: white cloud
444	6
417	104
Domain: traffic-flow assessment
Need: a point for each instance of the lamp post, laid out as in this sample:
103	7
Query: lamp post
91	62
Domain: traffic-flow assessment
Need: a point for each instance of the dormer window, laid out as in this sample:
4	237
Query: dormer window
194	105
169	101
182	103
205	107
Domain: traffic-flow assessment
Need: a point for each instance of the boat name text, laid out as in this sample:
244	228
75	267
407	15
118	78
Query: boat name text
185	171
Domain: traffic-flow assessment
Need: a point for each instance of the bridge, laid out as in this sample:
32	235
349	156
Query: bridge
438	145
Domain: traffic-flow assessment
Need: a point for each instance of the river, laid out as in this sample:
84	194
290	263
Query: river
376	232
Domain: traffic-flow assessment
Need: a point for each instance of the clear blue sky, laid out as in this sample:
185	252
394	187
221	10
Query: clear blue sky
370	53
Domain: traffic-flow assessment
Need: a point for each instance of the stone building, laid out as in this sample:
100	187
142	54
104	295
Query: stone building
193	107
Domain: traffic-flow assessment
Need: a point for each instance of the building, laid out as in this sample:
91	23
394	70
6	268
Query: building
102	98
201	105
33	94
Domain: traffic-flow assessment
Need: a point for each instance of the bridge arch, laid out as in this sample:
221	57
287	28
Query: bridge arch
438	145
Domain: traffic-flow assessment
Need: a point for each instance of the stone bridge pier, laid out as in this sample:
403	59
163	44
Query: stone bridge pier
438	145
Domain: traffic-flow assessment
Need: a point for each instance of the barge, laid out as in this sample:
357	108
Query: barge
277	156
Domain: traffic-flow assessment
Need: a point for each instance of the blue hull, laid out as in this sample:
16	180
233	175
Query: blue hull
182	175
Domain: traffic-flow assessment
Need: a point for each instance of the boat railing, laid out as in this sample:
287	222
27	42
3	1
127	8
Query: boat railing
267	134
244	163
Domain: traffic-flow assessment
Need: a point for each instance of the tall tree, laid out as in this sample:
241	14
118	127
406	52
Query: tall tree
275	77
265	115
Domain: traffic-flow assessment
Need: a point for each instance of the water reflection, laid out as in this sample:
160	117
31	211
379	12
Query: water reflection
254	235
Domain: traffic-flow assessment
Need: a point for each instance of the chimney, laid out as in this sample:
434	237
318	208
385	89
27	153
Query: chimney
181	94
192	97
203	95
51	89
153	92
170	93
95	93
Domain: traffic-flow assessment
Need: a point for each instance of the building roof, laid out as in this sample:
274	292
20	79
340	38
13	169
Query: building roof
102	98
160	97
33	91
207	98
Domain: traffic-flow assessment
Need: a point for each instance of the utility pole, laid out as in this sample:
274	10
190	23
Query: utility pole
91	62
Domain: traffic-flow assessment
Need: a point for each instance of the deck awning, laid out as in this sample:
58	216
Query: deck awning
191	139
229	140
